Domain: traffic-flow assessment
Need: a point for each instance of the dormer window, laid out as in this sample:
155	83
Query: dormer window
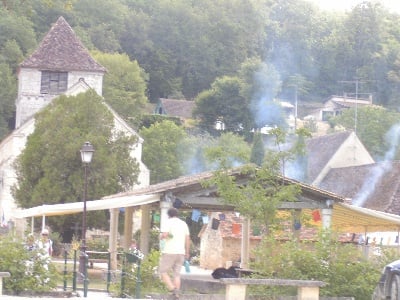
54	83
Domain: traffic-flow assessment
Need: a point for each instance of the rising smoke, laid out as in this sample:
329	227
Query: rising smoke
393	138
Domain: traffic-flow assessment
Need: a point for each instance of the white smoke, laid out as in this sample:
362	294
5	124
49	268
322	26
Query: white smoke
376	173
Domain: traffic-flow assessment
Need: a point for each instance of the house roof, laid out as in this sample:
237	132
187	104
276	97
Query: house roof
374	186
61	50
321	149
348	102
177	108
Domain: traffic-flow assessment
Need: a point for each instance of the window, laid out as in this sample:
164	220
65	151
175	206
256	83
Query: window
53	82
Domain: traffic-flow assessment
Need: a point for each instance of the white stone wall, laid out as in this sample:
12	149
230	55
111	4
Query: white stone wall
30	100
10	148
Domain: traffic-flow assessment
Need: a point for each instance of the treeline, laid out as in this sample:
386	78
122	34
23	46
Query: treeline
185	45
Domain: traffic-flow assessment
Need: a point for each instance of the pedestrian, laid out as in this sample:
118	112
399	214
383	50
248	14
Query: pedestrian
133	245
176	245
30	242
46	244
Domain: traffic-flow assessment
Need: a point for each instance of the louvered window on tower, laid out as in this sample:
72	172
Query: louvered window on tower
53	83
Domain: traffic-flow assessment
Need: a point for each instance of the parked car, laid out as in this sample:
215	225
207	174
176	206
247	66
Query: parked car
389	283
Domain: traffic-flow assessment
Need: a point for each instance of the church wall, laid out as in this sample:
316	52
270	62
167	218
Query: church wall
10	148
94	80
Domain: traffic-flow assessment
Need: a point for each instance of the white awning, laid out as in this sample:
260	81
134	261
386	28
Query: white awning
77	207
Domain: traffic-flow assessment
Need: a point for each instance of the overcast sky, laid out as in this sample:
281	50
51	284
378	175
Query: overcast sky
392	5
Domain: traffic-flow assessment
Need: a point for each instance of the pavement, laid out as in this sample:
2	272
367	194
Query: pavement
196	275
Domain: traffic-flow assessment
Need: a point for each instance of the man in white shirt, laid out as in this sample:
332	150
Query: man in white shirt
175	249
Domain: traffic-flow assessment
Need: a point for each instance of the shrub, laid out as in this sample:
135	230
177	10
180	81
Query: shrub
342	266
30	270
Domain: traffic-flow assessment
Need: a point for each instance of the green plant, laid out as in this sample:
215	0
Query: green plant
148	276
30	270
342	266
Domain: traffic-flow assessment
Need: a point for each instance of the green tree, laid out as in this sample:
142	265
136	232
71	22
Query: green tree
8	92
164	150
49	170
227	151
257	150
224	102
373	125
124	85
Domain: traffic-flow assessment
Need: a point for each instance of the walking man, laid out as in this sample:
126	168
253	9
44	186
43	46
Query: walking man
175	241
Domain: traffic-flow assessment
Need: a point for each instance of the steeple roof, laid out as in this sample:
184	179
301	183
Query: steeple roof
61	50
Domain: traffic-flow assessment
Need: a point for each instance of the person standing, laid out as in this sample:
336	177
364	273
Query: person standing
176	245
46	243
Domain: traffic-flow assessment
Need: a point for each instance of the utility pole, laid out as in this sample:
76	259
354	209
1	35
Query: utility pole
356	82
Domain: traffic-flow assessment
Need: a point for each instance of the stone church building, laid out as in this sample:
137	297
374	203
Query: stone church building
60	65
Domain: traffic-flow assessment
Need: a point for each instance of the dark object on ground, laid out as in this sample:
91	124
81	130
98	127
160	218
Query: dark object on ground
219	273
389	283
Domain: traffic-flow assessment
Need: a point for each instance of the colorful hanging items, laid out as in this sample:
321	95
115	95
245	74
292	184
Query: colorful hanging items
214	224
221	217
156	218
236	228
177	203
297	225
196	215
256	231
316	215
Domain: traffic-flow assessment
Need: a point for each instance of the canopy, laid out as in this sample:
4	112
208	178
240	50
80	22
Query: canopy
77	207
345	217
352	218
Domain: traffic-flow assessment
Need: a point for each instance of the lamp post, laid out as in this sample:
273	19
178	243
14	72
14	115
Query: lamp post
87	151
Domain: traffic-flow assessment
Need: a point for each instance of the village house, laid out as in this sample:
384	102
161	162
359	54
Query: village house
181	109
335	105
336	150
60	65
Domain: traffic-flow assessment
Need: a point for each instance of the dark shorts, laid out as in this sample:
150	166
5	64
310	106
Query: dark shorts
171	262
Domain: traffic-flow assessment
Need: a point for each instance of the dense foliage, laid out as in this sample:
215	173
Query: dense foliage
184	46
50	170
343	267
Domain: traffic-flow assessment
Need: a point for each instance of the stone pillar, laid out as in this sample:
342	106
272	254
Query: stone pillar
326	218
128	225
113	241
245	257
145	229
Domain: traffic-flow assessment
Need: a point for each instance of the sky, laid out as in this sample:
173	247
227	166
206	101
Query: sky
345	5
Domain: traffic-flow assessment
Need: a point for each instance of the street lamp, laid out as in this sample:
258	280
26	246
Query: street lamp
87	151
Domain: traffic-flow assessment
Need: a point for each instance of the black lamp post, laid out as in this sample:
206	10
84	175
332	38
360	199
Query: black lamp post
87	151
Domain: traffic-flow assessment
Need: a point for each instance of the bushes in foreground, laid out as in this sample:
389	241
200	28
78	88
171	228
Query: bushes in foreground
30	270
343	267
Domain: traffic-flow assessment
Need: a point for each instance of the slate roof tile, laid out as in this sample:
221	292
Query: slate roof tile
61	50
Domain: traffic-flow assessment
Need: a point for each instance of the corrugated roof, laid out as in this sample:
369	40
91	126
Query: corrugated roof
61	50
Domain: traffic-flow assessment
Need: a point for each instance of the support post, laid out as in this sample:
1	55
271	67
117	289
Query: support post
128	227
245	257
113	241
145	229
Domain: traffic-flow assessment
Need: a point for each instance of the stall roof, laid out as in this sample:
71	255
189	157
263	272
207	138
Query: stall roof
77	207
351	218
345	217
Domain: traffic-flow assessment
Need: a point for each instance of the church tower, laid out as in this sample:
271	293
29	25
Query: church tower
58	64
